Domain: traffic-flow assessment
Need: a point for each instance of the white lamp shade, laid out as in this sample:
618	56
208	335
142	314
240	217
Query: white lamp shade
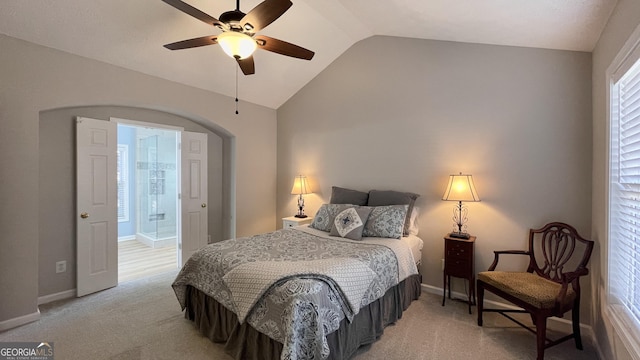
461	188
300	185
237	44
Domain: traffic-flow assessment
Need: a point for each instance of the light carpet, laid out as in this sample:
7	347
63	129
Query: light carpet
141	319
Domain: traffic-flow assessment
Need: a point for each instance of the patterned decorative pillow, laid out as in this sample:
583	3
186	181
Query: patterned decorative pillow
386	221
349	223
390	197
323	220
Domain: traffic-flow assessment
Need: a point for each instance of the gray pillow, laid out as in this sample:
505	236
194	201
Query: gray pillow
350	222
386	221
390	197
323	220
347	196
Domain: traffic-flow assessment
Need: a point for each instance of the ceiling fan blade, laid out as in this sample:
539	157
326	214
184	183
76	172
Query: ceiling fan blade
283	47
247	66
190	10
264	14
191	43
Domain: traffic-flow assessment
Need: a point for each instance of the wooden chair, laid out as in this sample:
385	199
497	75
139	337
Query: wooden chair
548	287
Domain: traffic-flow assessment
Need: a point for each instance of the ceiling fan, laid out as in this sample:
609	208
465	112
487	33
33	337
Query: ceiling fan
238	38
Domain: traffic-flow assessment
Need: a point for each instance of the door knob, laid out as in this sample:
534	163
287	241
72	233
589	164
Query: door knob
84	215
204	205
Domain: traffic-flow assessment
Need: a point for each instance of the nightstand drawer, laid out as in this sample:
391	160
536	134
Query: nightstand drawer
293	221
458	267
459	250
288	224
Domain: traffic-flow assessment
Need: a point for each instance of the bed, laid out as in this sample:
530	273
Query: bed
305	292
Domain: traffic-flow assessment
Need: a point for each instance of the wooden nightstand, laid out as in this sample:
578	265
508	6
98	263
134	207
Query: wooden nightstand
292	221
458	262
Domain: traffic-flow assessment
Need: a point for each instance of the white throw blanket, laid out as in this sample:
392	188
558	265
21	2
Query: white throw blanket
249	281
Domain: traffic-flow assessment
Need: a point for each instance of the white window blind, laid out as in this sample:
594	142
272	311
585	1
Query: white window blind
624	193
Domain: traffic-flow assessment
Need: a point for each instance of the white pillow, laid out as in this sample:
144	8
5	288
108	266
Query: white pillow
413	221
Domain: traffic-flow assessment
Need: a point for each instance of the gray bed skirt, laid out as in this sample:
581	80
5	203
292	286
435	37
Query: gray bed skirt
242	341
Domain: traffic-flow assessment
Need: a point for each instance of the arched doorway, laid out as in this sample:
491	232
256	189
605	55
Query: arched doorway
57	184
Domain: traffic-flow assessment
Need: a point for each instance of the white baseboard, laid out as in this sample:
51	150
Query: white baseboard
126	238
20	320
57	296
553	323
153	243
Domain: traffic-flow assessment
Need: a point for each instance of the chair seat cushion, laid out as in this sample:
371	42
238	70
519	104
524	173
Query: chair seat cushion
530	288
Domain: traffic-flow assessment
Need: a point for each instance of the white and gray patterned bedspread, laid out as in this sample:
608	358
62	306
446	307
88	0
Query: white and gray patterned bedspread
295	285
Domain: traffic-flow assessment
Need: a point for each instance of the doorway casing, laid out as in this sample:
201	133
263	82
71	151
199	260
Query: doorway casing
57	200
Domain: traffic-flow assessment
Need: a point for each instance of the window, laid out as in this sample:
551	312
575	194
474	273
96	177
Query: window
122	175
624	194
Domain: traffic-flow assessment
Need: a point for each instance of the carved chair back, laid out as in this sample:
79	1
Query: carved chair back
556	249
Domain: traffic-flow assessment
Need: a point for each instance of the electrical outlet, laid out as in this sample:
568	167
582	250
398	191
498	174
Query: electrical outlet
442	264
61	266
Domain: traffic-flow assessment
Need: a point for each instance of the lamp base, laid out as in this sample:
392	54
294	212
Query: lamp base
300	216
459	235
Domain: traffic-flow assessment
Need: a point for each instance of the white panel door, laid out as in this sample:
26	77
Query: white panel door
194	194
97	222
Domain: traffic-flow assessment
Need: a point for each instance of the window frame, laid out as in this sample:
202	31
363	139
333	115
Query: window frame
627	327
123	168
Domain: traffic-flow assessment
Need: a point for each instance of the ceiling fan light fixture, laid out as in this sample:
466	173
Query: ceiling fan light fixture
237	44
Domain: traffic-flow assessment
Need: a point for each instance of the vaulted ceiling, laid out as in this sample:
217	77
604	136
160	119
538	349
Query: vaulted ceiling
130	33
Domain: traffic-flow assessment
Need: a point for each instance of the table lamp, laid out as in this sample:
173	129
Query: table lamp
300	187
460	188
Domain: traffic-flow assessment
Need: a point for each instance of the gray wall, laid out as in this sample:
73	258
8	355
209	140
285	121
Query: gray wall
622	22
57	212
403	114
37	79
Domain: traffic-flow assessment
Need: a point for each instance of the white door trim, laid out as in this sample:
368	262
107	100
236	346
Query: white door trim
145	124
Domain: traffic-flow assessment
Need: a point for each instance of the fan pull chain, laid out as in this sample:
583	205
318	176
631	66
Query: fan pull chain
236	90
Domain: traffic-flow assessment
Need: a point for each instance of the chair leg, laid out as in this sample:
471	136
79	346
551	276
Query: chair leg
480	292
575	319
541	335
